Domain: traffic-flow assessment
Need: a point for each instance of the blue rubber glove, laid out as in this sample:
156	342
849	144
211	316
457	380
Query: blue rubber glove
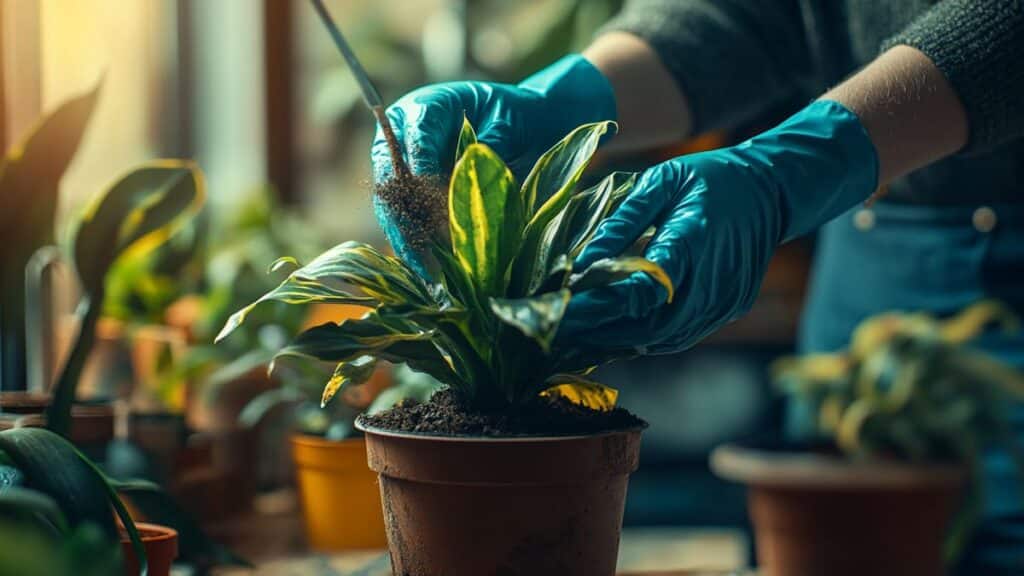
719	216
520	122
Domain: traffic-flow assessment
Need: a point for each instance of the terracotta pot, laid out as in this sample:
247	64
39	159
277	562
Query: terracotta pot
542	506
161	544
339	494
92	425
817	515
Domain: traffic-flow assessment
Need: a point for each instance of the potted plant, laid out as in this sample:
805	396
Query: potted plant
77	502
888	480
520	438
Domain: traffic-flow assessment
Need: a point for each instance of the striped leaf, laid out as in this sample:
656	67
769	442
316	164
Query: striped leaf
485	217
608	270
556	173
380	279
582	392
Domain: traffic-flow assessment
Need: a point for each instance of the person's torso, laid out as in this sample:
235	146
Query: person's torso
848	35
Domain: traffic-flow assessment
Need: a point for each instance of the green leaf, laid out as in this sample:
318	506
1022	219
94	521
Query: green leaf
139	212
16	501
485	218
467	137
52	466
351	373
536	317
596	204
30	177
582	392
608	270
556	173
381	279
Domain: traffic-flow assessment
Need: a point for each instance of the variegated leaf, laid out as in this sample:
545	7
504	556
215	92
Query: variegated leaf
609	270
351	373
582	392
481	201
555	175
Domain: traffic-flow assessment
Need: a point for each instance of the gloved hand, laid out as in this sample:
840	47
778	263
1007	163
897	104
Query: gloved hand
520	122
719	216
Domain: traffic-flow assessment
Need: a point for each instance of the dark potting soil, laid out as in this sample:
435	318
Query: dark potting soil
418	205
443	414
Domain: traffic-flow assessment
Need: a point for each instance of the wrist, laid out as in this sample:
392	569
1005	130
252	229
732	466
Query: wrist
577	88
824	162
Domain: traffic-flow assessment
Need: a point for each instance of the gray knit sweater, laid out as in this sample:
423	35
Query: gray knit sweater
736	59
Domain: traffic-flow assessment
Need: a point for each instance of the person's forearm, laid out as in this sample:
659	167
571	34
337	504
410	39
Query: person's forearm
910	111
651	109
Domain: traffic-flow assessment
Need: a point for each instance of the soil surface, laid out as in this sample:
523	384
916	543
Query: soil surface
443	414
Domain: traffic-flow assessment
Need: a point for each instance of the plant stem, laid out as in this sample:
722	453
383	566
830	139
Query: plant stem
58	414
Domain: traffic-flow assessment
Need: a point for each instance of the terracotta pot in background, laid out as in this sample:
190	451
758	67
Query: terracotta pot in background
817	515
548	506
92	426
161	544
340	500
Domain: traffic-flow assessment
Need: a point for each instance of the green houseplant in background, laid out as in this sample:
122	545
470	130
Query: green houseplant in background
542	450
29	189
897	428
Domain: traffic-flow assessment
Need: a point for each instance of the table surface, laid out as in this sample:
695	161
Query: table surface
272	539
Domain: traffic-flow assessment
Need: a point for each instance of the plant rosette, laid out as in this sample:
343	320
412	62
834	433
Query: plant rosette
898	424
520	436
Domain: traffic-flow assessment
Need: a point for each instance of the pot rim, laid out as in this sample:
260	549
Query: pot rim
806	470
151	533
360	425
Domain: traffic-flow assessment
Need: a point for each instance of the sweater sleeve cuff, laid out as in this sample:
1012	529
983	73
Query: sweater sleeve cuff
978	49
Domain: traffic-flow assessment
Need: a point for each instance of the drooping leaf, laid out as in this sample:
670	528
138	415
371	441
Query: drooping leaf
350	373
22	502
51	465
467	137
536	317
480	200
140	211
582	391
380	279
609	270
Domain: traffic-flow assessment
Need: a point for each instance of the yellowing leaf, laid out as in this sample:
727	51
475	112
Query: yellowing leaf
972	321
582	392
352	373
608	270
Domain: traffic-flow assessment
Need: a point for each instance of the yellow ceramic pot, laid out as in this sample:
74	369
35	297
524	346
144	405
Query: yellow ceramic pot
339	494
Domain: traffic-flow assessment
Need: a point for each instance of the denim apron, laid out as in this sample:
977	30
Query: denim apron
938	259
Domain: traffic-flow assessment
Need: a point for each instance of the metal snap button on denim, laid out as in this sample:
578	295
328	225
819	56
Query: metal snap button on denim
984	219
864	219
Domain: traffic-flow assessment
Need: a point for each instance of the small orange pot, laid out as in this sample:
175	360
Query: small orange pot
339	494
161	544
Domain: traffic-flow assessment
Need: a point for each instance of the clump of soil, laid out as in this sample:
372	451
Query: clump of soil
418	205
444	414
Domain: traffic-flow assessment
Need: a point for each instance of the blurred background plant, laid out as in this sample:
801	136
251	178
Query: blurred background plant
910	387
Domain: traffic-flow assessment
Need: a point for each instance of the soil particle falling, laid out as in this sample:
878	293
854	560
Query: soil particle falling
418	204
